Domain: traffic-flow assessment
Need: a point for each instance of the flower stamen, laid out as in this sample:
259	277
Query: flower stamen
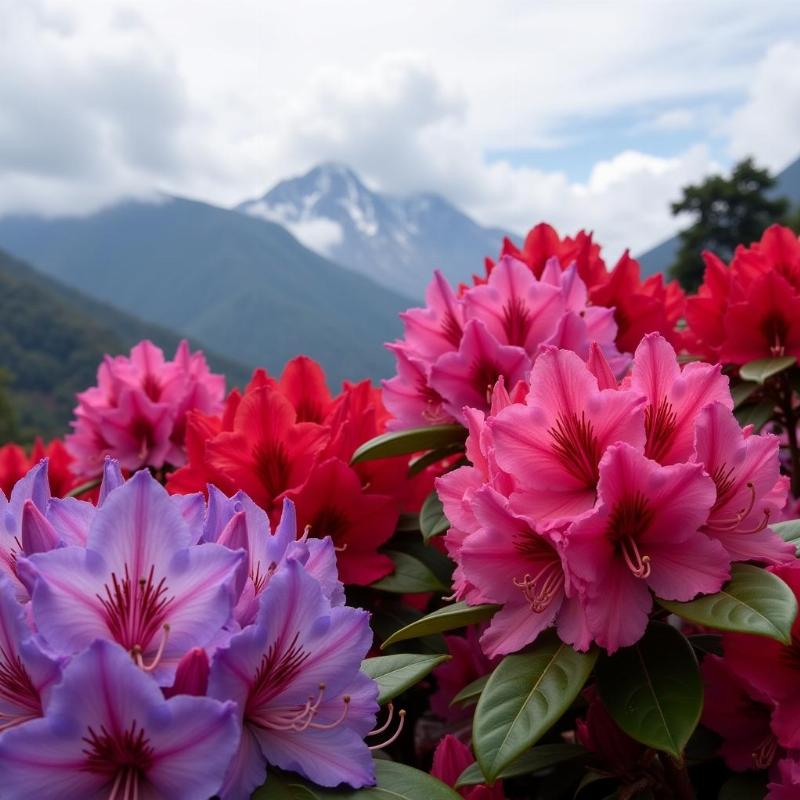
395	736
638	564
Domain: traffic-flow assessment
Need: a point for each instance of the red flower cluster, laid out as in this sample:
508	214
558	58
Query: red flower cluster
289	438
749	309
15	463
640	307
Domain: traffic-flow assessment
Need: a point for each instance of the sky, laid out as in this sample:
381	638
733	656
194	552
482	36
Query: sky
584	114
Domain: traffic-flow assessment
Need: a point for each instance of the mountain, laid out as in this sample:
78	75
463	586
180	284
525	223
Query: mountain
244	287
396	241
660	257
52	339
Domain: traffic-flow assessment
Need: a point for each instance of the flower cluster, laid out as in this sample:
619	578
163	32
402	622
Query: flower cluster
137	412
753	701
749	309
289	438
592	496
15	463
162	646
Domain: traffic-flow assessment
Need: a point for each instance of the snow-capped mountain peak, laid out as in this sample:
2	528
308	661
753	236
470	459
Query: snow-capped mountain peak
397	241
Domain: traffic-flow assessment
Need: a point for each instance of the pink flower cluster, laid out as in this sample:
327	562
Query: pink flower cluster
593	495
458	346
752	700
137	411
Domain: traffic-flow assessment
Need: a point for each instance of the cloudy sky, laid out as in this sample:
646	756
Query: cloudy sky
586	114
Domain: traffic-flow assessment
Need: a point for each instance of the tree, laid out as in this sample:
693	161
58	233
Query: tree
9	430
727	212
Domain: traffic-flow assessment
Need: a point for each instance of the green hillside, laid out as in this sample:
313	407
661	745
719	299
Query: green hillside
243	286
51	340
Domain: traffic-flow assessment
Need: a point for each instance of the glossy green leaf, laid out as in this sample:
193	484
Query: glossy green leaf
471	692
394	782
524	697
764	368
394	674
542	757
410	575
447	618
389	617
753	601
707	643
401	443
653	689
432	520
789	531
742	391
437	562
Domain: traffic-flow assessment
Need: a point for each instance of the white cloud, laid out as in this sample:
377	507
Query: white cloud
768	124
321	235
675	119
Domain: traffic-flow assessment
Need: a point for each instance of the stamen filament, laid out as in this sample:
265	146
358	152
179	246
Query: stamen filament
638	564
395	735
389	718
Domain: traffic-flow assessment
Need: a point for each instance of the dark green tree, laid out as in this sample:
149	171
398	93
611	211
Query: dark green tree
727	212
9	428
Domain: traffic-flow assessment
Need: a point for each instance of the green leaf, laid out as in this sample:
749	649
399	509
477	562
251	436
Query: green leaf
524	697
457	615
432	520
471	692
394	782
653	690
707	643
410	576
764	368
756	415
742	391
438	563
84	487
395	674
789	531
408	523
391	616
416	465
543	757
753	601
401	443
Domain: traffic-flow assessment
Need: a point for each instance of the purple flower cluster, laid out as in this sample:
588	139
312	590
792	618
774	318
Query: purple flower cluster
157	646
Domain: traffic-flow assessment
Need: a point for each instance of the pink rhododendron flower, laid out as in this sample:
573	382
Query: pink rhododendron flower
456	348
450	759
522	569
750	489
787	785
137	412
643	535
553	445
674	397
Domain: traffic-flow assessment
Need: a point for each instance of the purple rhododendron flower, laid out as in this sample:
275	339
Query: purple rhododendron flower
108	732
138	582
294	675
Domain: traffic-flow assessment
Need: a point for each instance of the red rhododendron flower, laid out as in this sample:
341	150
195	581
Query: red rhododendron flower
15	463
751	309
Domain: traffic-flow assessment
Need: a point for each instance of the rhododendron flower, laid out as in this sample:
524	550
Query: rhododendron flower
467	663
15	463
750	489
450	759
771	668
332	503
522	569
674	397
616	752
787	785
238	523
737	713
107	731
456	349
294	674
27	672
749	310
552	446
139	582
644	534
137	412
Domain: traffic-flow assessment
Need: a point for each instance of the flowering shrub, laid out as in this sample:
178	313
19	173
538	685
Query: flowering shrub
244	595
